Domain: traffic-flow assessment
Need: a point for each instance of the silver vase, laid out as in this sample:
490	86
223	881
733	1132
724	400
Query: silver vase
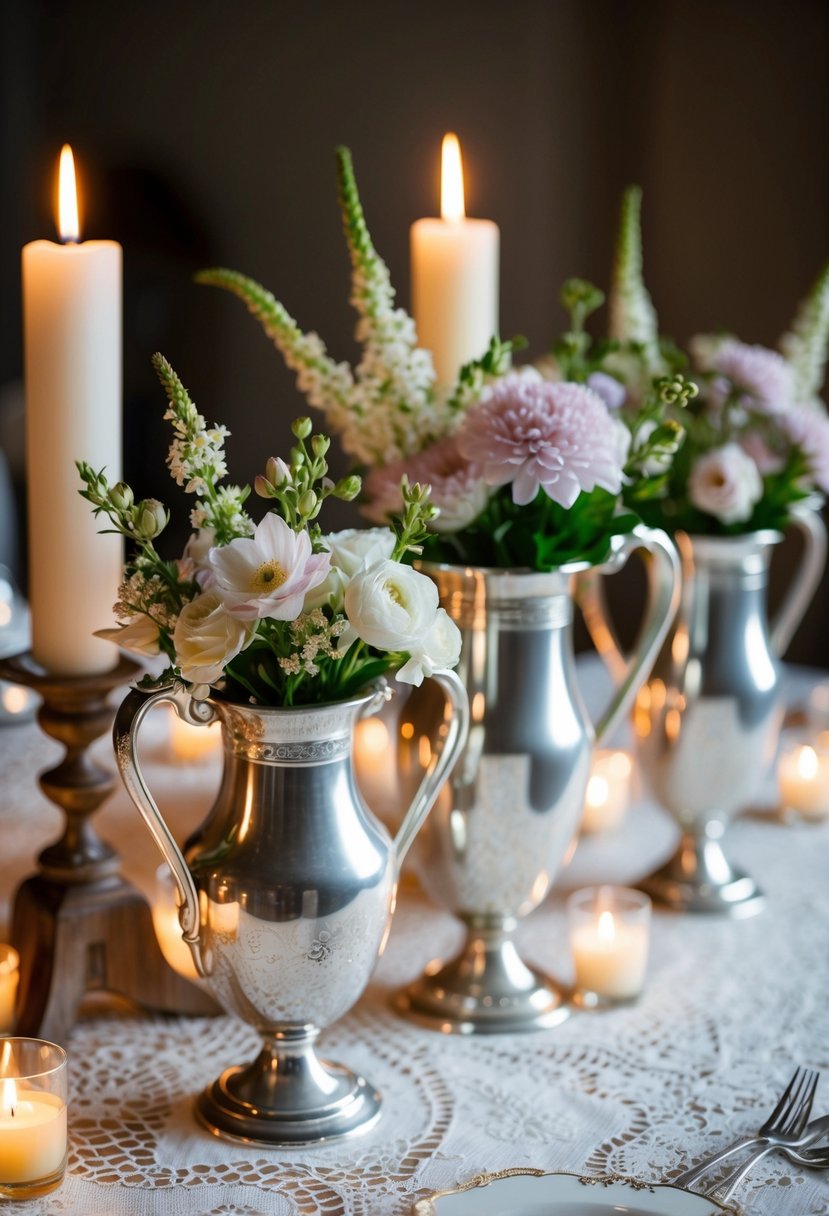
707	721
286	894
508	815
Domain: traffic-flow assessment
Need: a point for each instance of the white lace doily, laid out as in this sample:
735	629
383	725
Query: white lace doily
730	1008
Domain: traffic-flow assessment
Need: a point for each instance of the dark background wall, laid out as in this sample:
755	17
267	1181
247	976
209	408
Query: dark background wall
205	129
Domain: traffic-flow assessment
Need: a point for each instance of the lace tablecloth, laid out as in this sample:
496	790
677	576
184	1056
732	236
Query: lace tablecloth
730	1008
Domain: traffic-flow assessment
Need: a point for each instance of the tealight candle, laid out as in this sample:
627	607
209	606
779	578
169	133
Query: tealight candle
609	938
9	975
803	777
608	791
33	1138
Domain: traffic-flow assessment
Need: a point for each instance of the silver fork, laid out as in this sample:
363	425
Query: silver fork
783	1127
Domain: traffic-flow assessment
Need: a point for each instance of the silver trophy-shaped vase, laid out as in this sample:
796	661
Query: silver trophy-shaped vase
286	894
507	817
707	721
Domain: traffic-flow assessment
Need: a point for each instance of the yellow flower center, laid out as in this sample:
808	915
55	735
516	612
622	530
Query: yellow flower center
394	594
268	577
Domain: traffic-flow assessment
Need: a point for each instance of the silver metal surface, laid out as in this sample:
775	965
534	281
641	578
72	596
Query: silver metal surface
707	720
286	892
505	821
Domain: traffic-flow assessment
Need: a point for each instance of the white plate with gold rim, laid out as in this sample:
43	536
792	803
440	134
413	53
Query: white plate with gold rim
536	1193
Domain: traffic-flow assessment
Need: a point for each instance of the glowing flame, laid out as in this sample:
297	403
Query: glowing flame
8	1098
606	929
451	180
598	791
68	225
807	763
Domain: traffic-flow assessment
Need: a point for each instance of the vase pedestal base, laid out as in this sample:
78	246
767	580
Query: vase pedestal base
288	1096
486	989
699	878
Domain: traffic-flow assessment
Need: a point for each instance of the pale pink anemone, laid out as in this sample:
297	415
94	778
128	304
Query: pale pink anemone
267	574
762	377
458	486
807	427
557	436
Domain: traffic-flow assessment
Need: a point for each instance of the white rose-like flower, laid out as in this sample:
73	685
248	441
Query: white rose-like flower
354	548
206	638
726	483
440	649
390	606
138	636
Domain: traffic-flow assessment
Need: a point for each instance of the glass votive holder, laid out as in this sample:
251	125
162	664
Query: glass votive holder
9	976
33	1134
803	775
608	791
609	932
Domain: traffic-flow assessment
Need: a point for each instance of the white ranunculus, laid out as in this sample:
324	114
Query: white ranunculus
725	483
206	638
440	649
354	548
390	606
138	636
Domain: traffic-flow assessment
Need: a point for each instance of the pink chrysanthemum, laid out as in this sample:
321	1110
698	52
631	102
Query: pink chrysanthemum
762	377
560	437
807	426
458	487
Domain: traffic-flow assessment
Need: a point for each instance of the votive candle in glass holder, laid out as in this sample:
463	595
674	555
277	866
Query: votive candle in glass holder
33	1132
608	791
609	930
803	776
9	975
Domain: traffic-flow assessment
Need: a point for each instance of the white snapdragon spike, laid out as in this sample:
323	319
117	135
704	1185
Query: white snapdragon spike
725	483
268	574
206	638
139	636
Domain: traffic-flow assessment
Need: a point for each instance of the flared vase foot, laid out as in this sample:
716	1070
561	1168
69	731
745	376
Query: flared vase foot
288	1099
699	878
486	989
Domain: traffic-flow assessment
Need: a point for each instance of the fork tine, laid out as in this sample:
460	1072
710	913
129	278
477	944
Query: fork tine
782	1106
803	1109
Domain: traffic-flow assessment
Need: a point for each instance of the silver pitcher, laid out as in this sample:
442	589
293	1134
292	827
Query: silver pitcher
707	721
286	894
506	819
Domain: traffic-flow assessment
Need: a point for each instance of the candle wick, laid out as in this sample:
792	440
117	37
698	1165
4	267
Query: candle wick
12	1112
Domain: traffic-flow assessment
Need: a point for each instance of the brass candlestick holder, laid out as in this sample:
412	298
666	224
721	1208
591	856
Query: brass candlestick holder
78	924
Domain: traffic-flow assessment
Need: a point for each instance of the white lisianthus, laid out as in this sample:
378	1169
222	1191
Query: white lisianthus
139	636
206	638
725	483
440	649
267	574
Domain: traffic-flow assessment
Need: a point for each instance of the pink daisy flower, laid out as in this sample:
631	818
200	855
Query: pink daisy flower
267	574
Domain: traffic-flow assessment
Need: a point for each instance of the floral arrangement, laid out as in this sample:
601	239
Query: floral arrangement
276	611
756	435
528	468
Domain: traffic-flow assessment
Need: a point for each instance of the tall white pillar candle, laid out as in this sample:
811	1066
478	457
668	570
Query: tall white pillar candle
454	269
72	356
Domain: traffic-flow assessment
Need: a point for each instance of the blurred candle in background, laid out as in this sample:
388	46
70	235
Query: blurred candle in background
454	269
72	357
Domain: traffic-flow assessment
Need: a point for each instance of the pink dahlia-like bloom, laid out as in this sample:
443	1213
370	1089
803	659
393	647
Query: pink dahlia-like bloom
267	574
458	486
558	436
763	378
807	426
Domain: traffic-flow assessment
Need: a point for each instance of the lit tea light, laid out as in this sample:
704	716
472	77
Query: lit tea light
33	1091
188	742
9	976
168	929
609	931
17	704
803	778
608	791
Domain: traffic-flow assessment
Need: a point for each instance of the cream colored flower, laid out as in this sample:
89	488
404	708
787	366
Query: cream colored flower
206	638
725	483
439	650
139	636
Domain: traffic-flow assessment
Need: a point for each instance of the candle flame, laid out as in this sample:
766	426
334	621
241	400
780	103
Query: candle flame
451	179
598	790
15	699
8	1100
807	764
606	928
68	225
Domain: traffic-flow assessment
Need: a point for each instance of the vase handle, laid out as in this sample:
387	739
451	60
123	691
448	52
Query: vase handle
663	601
799	595
452	734
128	720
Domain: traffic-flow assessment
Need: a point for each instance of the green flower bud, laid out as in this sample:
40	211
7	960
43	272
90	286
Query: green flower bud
150	518
121	496
262	486
320	445
302	427
276	470
348	488
307	503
